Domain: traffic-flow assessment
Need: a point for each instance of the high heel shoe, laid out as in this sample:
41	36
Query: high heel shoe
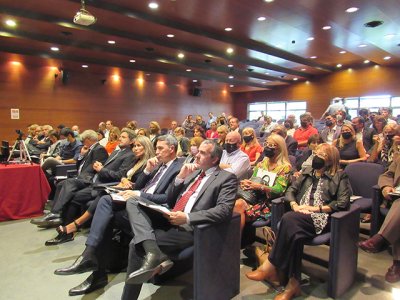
291	290
63	229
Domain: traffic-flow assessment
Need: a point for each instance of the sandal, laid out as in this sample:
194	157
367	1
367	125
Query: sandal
366	219
63	229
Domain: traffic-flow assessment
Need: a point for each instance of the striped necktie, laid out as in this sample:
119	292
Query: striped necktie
183	200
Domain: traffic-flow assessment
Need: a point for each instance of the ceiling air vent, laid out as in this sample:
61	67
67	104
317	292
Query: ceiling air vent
373	24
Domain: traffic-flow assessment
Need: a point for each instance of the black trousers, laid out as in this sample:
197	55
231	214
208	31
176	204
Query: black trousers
294	230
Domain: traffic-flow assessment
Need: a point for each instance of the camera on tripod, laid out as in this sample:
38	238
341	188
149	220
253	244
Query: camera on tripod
20	134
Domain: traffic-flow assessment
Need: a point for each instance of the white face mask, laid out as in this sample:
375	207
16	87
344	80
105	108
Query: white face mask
339	118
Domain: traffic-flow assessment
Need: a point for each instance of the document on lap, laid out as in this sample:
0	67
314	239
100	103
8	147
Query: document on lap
162	209
114	193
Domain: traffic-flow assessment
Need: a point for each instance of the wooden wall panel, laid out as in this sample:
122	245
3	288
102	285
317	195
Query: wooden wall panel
43	98
373	80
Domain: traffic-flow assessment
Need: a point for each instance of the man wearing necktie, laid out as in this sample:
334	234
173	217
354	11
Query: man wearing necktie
201	194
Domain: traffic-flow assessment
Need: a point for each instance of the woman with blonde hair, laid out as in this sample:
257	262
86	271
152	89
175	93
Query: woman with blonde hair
113	139
143	149
350	148
386	147
276	161
317	193
250	145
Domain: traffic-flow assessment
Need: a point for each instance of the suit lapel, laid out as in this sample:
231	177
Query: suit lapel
113	156
210	180
166	174
88	157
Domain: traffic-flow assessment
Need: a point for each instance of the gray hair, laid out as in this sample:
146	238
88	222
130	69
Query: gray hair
131	134
89	134
170	140
216	151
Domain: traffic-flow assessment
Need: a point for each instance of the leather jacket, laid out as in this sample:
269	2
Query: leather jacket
336	189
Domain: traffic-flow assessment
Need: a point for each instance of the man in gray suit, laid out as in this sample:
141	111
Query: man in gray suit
152	185
202	193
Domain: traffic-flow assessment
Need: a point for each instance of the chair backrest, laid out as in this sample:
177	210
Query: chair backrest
363	176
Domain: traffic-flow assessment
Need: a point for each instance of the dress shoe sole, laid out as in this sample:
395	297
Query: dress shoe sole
91	288
143	277
91	268
57	242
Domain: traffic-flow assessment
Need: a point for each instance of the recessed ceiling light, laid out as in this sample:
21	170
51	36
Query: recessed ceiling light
269	1
261	18
351	9
266	73
303	69
390	36
148	74
153	5
295	79
366	61
362	46
229	50
188	70
54	49
111	42
228	29
85	66
231	77
342	52
232	85
310	38
387	58
194	80
181	55
11	23
132	60
338	65
230	66
326	27
170	35
313	57
264	82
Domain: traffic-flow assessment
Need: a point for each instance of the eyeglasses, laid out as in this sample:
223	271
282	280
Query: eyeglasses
321	154
270	145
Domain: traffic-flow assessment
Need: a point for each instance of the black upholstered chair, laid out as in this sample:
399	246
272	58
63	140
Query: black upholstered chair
378	213
65	170
343	251
215	260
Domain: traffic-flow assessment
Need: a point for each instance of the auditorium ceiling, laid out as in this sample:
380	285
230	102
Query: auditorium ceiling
236	44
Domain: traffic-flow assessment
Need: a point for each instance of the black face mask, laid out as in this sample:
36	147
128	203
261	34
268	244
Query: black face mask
230	147
317	163
346	135
304	124
287	125
269	152
247	138
328	123
390	136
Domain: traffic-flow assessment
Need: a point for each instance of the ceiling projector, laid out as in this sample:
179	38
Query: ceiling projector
85	18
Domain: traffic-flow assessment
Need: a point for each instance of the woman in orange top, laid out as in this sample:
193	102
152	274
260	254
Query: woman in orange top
250	145
113	140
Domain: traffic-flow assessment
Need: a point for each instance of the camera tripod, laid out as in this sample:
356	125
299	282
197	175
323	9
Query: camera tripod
24	156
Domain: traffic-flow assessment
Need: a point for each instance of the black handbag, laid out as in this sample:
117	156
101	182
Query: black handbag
253	197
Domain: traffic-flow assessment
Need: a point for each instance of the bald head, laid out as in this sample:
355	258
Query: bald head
233	137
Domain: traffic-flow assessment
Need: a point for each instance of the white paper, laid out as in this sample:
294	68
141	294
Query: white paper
268	177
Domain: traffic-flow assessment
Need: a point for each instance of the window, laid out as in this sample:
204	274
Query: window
373	103
276	110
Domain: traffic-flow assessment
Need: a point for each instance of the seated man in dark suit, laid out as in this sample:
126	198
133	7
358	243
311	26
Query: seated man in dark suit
389	233
152	185
115	167
91	152
363	133
202	193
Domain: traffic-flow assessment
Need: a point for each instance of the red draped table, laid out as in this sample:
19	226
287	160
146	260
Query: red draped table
23	191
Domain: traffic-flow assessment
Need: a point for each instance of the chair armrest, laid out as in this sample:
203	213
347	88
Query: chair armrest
277	211
376	217
72	173
217	260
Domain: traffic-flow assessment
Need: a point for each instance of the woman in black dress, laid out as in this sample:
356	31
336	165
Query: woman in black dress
318	192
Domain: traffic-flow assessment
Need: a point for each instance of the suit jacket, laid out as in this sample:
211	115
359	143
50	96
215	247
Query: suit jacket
215	201
291	145
159	196
368	134
324	133
116	166
391	177
98	153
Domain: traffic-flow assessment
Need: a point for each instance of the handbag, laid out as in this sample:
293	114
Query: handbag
252	196
263	251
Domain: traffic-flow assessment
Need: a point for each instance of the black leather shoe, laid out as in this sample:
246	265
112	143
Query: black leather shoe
89	285
81	265
51	223
153	264
47	217
60	239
